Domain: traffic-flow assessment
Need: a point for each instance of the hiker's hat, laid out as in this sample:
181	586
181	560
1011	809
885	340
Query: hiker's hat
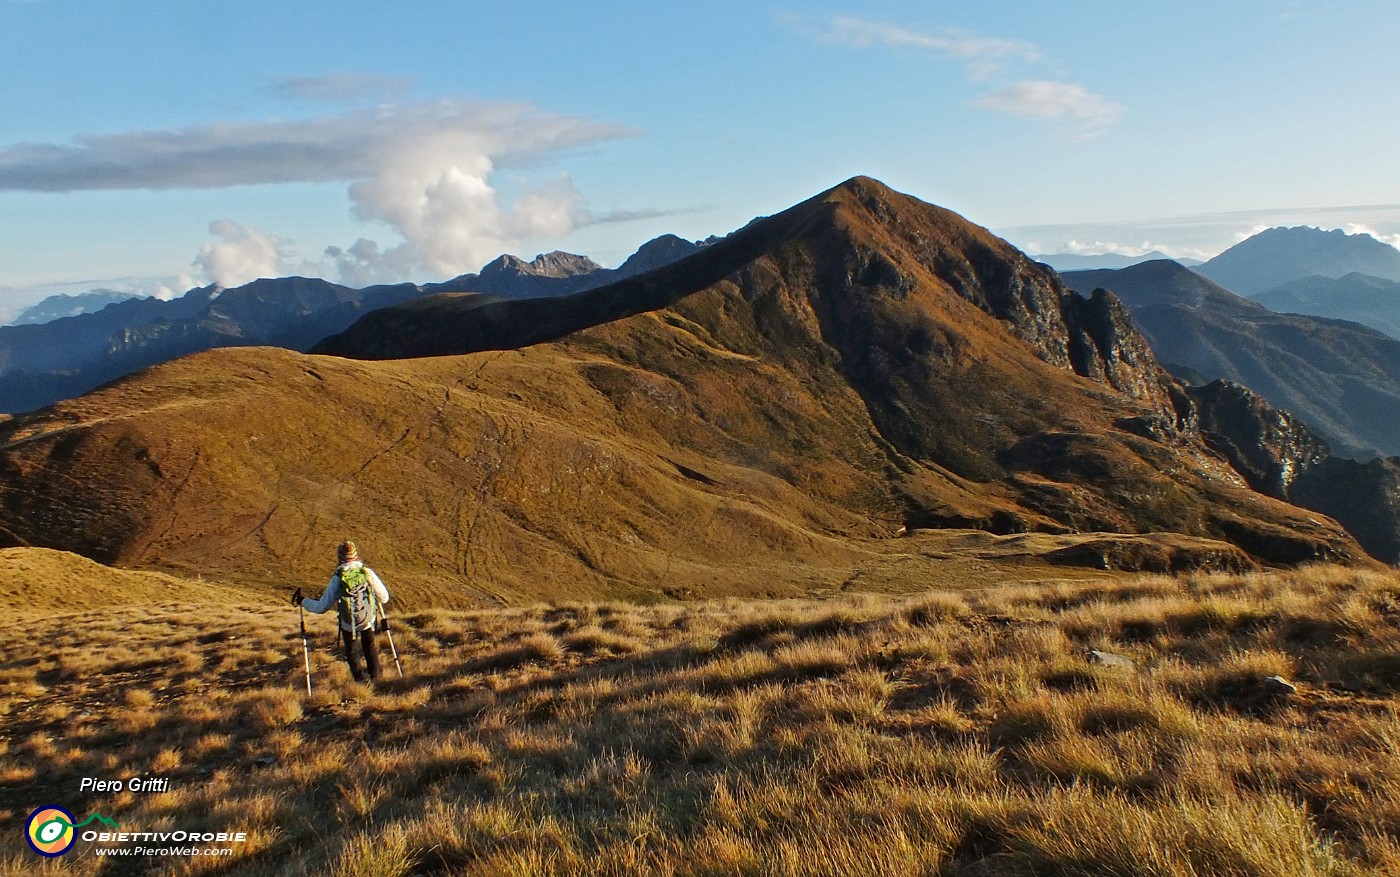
347	552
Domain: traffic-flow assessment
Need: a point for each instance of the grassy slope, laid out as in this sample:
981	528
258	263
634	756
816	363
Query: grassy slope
838	376
469	475
957	731
477	484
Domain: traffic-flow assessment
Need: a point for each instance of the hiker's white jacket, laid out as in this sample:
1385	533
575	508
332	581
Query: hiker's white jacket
332	593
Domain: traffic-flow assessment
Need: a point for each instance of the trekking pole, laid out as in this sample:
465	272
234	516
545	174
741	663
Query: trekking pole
305	649
390	633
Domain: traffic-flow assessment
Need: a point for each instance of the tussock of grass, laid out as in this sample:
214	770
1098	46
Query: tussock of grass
942	734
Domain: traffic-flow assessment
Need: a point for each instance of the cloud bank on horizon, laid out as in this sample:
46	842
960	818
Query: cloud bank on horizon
425	170
1205	234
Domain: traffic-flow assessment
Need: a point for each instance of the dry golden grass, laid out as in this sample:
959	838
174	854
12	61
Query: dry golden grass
43	583
952	732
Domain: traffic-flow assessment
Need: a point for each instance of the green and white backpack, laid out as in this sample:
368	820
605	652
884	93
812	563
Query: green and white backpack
358	607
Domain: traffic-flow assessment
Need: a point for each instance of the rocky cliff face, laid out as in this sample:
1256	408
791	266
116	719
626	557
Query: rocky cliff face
1104	345
1282	457
1363	497
1340	378
1268	446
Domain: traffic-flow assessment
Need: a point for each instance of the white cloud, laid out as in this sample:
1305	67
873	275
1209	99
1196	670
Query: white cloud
242	254
346	147
167	288
1100	248
438	196
984	56
1076	247
1252	231
1089	113
986	59
1358	228
364	264
424	170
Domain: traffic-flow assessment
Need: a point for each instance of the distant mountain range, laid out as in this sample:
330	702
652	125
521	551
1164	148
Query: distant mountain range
1371	301
40	364
1084	262
1277	256
559	273
1341	378
69	305
62	358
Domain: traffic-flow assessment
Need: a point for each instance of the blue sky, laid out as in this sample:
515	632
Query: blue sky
157	145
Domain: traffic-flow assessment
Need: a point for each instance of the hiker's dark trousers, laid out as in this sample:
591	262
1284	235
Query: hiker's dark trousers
352	654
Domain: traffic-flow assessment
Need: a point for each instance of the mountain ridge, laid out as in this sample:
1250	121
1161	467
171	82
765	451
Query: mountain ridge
1080	335
557	273
1088	261
1341	378
1279	255
1357	297
771	410
61	305
43	363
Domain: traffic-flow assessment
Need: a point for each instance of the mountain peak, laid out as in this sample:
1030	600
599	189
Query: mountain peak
1280	255
1094	261
860	362
555	264
656	252
862	185
1163	283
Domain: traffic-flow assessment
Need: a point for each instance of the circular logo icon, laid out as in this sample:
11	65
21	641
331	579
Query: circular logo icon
50	831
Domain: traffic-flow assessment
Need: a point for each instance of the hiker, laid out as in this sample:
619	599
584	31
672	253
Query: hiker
357	593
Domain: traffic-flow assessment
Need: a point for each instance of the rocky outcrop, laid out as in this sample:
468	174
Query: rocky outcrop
556	274
1282	457
1340	378
1104	345
1141	555
1363	497
1268	446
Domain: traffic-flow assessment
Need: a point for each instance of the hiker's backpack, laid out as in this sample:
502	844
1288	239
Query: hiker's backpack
357	604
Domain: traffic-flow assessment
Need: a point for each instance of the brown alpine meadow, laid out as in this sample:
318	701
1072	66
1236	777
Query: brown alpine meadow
960	729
